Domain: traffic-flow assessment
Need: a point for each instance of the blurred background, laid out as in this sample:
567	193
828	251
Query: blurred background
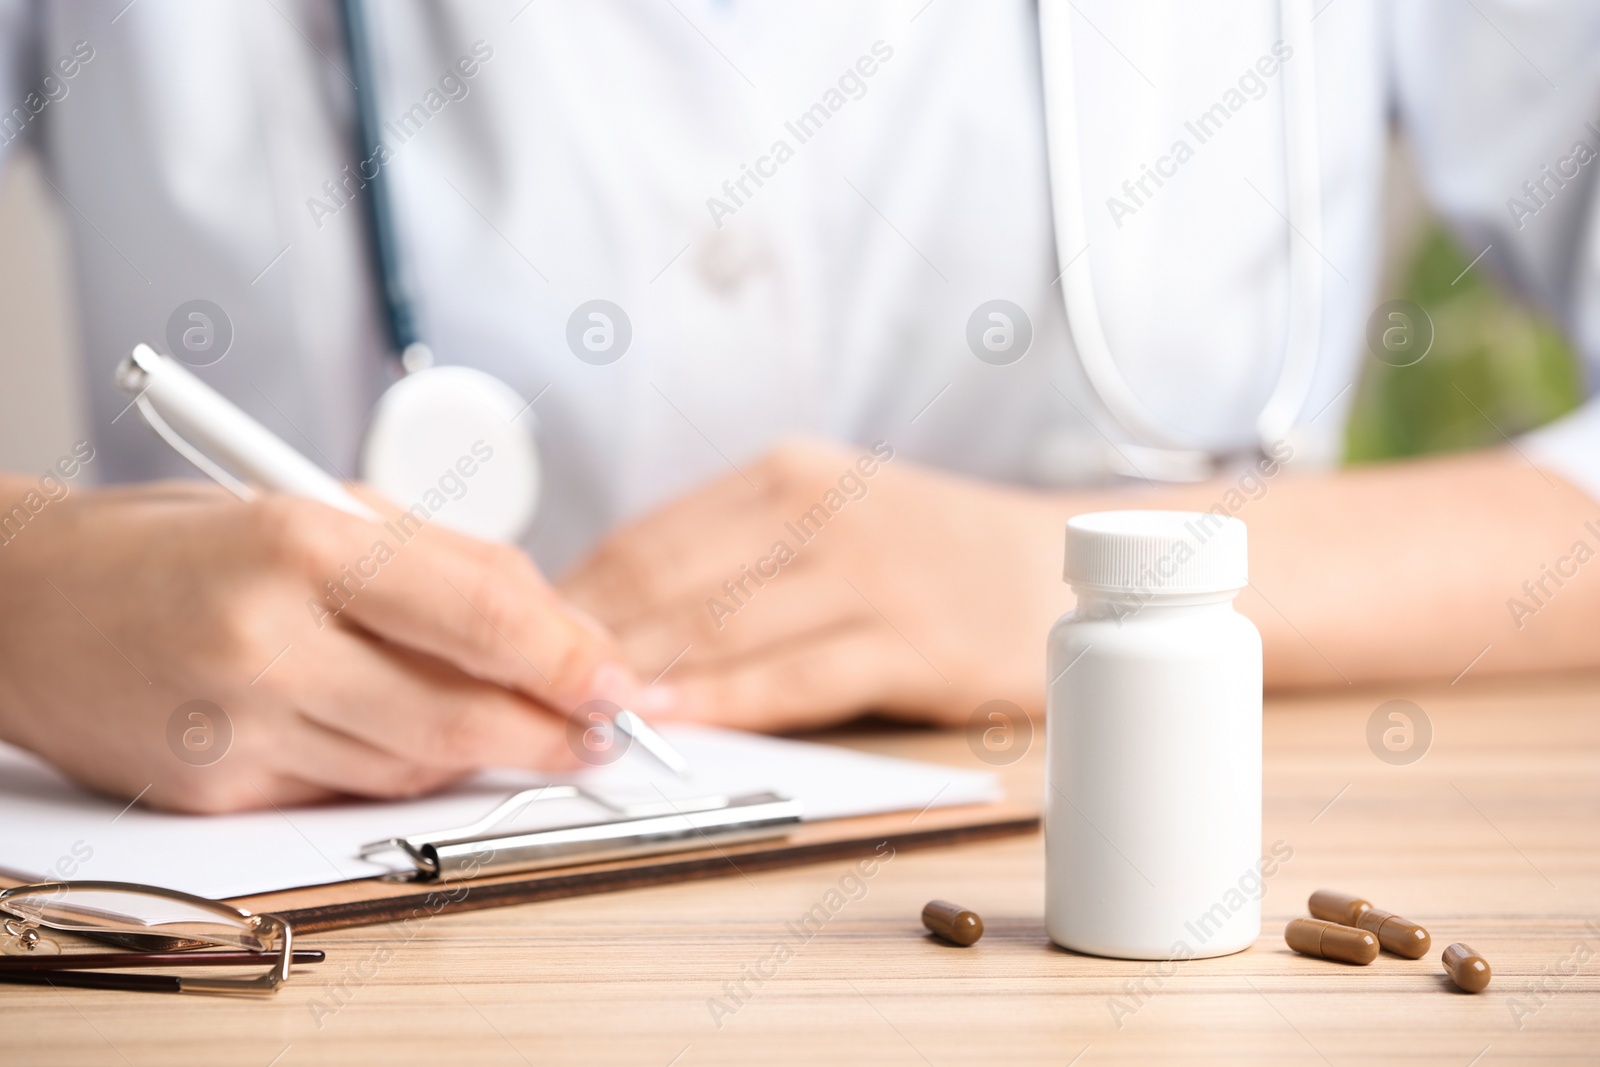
1493	355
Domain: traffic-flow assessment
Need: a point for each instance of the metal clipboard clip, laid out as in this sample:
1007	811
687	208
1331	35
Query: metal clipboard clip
636	830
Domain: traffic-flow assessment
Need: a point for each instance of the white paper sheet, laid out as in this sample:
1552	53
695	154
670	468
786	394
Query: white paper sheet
50	828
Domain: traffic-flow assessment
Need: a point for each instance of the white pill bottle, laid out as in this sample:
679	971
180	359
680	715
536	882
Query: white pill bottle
1153	779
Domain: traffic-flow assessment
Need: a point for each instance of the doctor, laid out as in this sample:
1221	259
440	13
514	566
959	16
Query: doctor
827	317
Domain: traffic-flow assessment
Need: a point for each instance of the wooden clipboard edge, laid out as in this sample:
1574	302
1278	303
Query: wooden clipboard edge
812	843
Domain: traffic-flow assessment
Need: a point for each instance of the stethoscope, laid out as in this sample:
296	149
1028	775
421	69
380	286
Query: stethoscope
1153	451
449	434
432	415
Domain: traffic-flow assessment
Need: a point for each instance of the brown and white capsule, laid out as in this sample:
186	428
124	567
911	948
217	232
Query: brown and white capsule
1400	936
1468	970
955	924
1331	941
1332	906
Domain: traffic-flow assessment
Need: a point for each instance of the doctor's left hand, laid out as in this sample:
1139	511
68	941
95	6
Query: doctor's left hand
824	581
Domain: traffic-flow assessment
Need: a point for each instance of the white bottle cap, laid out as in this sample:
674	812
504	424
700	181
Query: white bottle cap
1154	552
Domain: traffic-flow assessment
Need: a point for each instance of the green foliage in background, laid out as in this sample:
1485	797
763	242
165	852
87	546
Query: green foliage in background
1496	367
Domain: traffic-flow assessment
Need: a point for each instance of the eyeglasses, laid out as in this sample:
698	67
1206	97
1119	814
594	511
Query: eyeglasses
163	927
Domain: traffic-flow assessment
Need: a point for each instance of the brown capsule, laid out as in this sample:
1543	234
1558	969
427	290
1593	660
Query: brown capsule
1400	936
1331	941
1333	906
1466	968
952	922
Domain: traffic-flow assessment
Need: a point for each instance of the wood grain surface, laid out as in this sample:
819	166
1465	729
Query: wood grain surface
1493	838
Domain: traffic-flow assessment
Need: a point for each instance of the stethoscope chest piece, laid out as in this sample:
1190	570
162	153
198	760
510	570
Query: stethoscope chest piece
458	444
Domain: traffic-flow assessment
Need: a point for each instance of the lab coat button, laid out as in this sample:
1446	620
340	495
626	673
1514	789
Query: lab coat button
728	258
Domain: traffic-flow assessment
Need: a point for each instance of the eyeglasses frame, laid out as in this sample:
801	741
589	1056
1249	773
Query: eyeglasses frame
271	928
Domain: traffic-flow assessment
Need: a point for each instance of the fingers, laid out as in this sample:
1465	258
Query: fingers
482	607
374	499
186	492
827	679
754	522
330	759
757	613
307	763
425	713
213	794
694	543
496	619
282	791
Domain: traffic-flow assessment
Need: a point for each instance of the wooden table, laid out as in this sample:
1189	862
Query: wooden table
1492	838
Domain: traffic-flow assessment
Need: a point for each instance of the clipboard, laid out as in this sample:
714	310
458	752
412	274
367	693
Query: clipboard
474	851
756	803
791	843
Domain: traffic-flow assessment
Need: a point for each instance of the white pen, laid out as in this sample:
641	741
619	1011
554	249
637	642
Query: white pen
200	423
653	743
205	427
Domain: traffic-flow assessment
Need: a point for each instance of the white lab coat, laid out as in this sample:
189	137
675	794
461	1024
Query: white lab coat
598	150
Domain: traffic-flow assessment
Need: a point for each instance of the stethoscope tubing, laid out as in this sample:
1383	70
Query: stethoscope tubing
1303	166
399	308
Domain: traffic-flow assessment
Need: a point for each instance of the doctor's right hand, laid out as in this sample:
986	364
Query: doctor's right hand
335	656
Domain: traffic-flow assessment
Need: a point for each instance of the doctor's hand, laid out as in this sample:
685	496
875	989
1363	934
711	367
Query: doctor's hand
334	655
825	581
